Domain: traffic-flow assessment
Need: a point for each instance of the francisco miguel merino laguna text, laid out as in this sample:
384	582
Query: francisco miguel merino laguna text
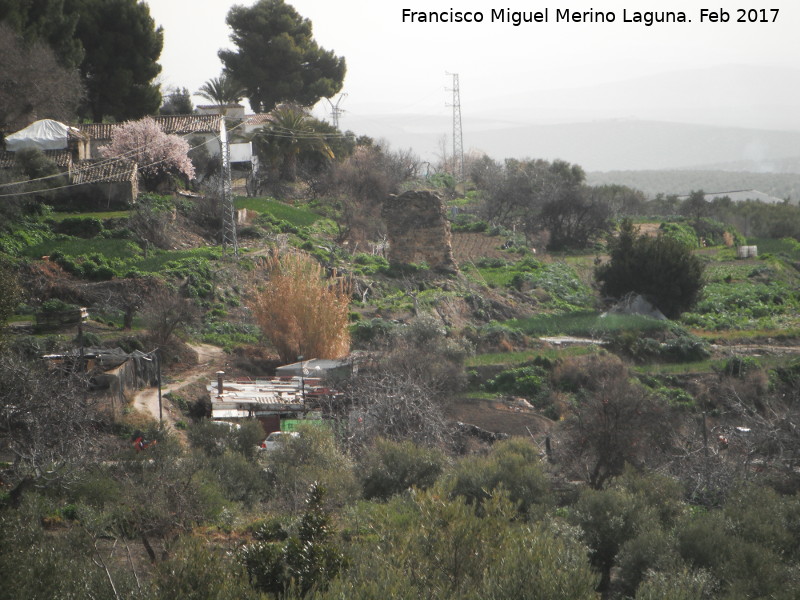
562	15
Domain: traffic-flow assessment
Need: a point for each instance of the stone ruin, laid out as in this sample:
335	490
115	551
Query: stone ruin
418	231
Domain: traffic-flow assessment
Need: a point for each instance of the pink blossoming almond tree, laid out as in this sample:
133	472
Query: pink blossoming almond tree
157	154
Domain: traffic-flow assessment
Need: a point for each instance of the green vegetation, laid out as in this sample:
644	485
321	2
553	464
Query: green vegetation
661	268
469	456
587	324
555	285
299	217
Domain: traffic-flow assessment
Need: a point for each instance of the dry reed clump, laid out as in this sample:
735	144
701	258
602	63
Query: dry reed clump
301	312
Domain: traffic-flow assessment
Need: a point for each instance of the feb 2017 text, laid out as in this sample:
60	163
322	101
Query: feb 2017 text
565	15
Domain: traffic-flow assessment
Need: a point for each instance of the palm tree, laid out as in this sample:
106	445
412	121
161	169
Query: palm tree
289	133
222	90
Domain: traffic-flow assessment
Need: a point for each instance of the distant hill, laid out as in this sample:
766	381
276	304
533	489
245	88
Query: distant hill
735	117
681	182
598	145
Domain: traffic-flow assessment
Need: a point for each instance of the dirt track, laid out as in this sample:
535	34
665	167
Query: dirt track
209	358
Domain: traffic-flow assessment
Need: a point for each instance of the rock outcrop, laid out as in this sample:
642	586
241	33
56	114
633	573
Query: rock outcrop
418	231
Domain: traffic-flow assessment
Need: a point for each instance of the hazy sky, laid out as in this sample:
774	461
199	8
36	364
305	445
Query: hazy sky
400	68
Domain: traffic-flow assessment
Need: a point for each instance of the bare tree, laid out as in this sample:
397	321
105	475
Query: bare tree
32	83
612	421
48	422
165	311
362	182
404	392
393	405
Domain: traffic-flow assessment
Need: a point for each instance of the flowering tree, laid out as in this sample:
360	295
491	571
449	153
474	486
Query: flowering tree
157	154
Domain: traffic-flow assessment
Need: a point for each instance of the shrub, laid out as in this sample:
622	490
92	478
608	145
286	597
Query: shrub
739	366
660	268
389	468
512	465
651	550
306	561
308	458
367	332
715	233
681	233
609	519
465	222
83	227
677	585
368	264
680	347
522	381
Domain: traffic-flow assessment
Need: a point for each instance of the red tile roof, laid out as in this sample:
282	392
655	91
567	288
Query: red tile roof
62	158
257	120
93	171
172	124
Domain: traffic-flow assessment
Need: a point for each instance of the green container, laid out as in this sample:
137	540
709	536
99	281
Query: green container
293	424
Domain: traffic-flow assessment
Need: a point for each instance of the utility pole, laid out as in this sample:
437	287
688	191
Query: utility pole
458	140
335	110
228	212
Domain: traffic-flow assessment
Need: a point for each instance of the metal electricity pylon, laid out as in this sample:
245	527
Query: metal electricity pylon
458	140
228	212
335	110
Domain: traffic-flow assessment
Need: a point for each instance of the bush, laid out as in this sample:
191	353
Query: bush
681	233
512	465
680	347
661	269
390	468
522	381
308	458
468	223
367	332
239	479
215	438
650	551
739	366
714	233
609	519
82	227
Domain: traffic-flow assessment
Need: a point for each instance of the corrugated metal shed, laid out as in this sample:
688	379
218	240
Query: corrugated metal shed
253	398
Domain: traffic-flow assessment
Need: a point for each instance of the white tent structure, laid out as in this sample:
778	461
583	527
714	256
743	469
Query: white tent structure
45	134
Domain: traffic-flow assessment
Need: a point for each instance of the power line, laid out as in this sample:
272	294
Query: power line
88	168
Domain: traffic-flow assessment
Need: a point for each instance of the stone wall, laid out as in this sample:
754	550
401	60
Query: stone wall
418	230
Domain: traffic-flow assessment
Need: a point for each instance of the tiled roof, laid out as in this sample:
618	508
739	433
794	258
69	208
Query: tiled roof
258	120
62	158
182	124
93	171
97	131
172	124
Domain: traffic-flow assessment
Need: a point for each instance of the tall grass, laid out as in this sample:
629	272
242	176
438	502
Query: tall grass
302	313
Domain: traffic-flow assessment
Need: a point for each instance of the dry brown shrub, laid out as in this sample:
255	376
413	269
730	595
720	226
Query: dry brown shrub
727	238
301	312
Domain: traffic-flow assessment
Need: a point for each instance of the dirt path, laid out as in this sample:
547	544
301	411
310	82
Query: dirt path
209	359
